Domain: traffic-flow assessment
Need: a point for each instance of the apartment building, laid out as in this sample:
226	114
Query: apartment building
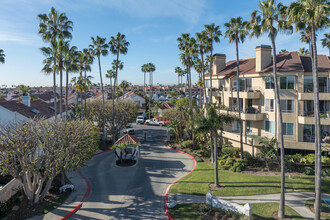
257	97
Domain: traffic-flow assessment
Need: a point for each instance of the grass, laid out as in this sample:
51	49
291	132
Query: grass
57	203
239	184
259	211
325	208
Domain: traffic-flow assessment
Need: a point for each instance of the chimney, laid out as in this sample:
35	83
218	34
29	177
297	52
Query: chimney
263	57
219	63
26	100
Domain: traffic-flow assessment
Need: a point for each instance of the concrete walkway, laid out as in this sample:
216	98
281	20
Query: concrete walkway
295	200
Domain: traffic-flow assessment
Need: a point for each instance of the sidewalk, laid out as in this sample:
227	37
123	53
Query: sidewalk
73	200
294	200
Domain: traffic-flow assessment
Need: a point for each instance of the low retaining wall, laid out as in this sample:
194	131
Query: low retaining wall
223	204
9	190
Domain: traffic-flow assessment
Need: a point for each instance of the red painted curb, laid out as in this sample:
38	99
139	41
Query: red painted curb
168	188
86	194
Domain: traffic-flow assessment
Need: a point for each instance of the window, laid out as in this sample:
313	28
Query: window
269	105
323	84
309	132
270	127
234	87
288	129
249	127
308	84
287	105
287	82
269	83
221	84
207	83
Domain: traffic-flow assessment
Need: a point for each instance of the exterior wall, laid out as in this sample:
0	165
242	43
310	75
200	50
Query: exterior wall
9	190
7	116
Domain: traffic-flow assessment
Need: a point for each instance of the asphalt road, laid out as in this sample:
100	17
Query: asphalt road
133	192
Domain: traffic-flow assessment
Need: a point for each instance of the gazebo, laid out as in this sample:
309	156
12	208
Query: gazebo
127	150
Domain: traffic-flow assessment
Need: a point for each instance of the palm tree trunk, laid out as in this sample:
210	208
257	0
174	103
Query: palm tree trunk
85	98
54	92
150	93
103	105
281	210
61	91
81	95
211	95
216	171
113	101
113	112
239	103
211	146
203	96
144	83
318	151
66	94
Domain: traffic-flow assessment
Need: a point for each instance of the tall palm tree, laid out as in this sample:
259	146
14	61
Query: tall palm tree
213	33
144	70
214	121
314	15
264	21
204	46
236	32
178	70
305	37
151	68
111	74
70	65
124	85
199	67
53	27
118	45
303	51
326	42
2	56
78	85
62	45
87	61
98	48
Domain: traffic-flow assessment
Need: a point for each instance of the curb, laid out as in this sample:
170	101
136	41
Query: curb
87	191
168	188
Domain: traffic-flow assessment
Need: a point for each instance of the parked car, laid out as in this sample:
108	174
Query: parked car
129	130
154	121
139	119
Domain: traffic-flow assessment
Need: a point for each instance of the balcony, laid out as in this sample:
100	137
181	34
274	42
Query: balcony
215	92
250	114
247	94
310	96
304	119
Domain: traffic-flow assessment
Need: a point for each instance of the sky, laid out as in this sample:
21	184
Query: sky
151	26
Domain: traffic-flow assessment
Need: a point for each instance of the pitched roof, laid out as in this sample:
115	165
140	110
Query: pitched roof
166	105
127	139
286	62
129	94
46	96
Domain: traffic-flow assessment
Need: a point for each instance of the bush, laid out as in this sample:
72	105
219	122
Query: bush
308	171
325	160
230	151
325	171
187	144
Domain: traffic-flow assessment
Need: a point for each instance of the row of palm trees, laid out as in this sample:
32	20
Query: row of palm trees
307	16
148	68
55	28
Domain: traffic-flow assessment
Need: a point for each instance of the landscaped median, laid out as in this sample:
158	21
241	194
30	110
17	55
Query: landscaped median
240	184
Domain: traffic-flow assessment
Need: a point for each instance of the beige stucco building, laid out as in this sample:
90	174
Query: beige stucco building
257	97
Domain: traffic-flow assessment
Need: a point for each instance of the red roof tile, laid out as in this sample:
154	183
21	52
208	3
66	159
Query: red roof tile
127	139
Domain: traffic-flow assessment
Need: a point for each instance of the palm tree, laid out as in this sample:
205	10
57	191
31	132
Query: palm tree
203	47
314	15
62	45
77	84
118	45
178	71
325	42
303	51
2	56
213	33
124	85
70	65
111	74
236	32
53	27
98	48
264	21
151	68
305	37
199	67
87	59
213	121
283	51
144	70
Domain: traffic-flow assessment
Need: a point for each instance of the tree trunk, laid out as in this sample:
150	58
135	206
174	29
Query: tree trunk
85	98
81	95
318	151
211	95
150	93
66	94
113	111
203	75
61	90
216	171
238	101
144	83
281	211
54	91
103	107
211	147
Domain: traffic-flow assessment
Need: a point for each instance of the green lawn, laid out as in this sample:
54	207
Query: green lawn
325	208
237	184
259	211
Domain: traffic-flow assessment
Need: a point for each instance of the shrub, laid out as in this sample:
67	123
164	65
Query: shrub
230	151
310	158
325	171
187	144
325	160
308	171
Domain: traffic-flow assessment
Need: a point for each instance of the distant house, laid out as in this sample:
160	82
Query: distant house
131	96
164	106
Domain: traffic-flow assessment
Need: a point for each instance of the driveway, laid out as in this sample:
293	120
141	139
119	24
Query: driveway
131	192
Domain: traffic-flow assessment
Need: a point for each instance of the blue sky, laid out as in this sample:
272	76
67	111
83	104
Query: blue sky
151	27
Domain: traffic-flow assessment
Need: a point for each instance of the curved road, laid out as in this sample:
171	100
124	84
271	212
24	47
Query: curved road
133	192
